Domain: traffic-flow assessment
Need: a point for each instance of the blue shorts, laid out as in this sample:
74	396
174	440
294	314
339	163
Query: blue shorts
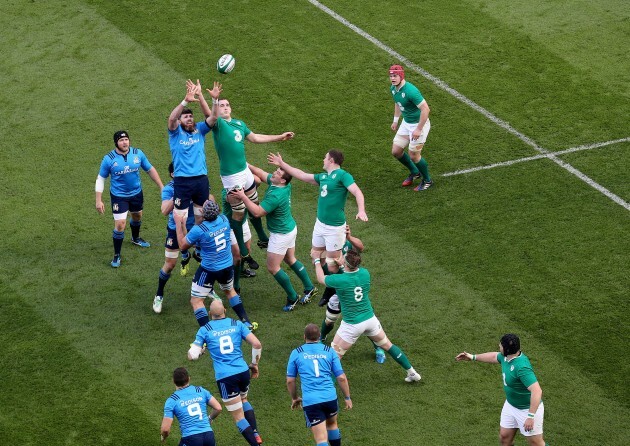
171	239
187	189
206	279
320	412
202	439
233	386
121	205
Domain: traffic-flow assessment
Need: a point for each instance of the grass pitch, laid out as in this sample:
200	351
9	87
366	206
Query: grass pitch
527	248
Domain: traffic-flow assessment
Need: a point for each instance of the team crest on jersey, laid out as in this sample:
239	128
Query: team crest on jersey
334	176
115	207
169	241
136	160
178	201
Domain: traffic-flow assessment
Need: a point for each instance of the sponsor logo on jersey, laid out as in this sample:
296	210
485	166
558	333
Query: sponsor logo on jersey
189	142
126	170
115	164
136	160
193	400
403	95
511	368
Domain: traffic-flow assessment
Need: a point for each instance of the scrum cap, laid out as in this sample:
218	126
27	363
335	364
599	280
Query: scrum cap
211	210
118	135
397	69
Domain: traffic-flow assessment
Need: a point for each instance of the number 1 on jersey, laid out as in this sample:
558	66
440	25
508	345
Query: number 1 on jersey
316	366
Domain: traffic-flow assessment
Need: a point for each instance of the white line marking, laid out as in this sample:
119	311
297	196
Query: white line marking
444	86
536	157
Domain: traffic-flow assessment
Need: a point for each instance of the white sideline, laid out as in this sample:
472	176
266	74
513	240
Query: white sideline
444	86
536	157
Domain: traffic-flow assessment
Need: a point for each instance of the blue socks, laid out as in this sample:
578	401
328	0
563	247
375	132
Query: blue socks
201	314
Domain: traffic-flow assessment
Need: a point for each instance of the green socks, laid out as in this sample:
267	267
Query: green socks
258	226
300	271
326	329
399	357
237	227
406	161
423	167
283	279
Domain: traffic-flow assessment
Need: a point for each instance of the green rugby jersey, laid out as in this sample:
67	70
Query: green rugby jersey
518	375
408	98
333	191
277	204
229	142
353	289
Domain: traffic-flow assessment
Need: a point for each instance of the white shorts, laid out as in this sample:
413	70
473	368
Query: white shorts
244	178
405	130
332	237
281	243
333	303
247	233
351	332
513	418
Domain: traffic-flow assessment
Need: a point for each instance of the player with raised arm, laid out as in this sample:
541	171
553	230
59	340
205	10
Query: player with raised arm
213	238
276	206
413	130
229	137
223	337
329	233
187	141
124	164
316	364
353	288
523	408
188	404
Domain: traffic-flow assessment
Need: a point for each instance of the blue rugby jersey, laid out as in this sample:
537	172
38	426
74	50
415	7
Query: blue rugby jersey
188	150
316	364
213	238
125	171
189	405
223	339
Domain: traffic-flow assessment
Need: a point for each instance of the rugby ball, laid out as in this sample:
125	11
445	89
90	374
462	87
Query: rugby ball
226	64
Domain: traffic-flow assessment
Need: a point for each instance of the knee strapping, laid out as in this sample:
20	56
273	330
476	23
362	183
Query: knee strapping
332	317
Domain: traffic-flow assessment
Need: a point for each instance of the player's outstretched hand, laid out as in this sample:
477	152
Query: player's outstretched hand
287	135
463	356
191	91
253	369
275	159
216	90
362	216
296	403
